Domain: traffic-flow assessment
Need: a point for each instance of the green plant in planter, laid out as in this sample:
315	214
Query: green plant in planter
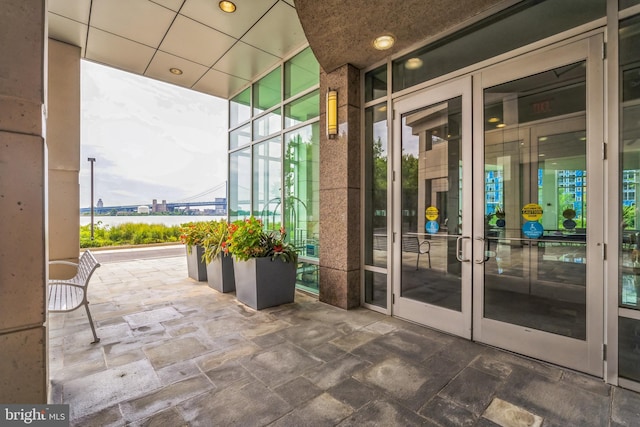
193	233
215	240
247	239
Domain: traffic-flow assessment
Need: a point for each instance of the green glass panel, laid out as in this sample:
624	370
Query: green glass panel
301	189
240	137
487	39
240	108
375	288
301	72
302	109
375	83
267	125
375	182
628	3
239	184
267	182
267	92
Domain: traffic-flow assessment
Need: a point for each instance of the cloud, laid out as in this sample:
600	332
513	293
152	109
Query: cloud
150	139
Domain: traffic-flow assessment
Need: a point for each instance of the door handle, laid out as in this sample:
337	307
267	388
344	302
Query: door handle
484	258
459	249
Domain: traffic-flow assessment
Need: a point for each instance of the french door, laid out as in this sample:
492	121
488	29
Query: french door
498	201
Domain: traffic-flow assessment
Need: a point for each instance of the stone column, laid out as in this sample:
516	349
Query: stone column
23	189
63	143
340	175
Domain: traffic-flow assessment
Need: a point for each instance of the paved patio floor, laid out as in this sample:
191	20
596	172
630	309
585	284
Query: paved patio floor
174	352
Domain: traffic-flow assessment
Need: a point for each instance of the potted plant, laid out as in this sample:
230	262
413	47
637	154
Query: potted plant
219	262
264	264
191	235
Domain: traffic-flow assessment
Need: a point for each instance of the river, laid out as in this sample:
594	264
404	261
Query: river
146	219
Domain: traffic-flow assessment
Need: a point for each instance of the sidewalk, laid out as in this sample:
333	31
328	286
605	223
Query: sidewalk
175	352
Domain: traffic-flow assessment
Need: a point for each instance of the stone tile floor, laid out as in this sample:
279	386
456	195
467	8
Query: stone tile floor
174	352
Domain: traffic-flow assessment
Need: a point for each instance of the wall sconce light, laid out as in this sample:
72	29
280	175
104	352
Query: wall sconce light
332	113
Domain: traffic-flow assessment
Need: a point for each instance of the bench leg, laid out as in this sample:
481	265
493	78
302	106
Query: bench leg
417	260
93	328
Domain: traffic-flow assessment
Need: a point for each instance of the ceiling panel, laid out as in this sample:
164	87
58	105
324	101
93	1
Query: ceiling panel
278	32
234	24
77	10
67	31
141	21
162	62
245	61
170	4
117	51
219	84
196	42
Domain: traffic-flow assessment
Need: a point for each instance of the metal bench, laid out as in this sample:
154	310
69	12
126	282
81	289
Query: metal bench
411	243
70	294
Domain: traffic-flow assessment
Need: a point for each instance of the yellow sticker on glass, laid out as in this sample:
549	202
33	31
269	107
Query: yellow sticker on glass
431	213
532	212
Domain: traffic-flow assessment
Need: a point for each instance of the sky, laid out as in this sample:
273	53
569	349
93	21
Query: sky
151	140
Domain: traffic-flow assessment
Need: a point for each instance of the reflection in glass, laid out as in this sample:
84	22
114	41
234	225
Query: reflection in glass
302	109
375	288
240	108
486	39
267	125
627	3
375	186
267	92
629	343
239	184
300	72
240	137
432	204
375	83
267	182
535	153
301	189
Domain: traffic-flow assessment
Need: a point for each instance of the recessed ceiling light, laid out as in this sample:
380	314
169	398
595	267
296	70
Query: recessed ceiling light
413	63
384	42
227	6
494	120
176	71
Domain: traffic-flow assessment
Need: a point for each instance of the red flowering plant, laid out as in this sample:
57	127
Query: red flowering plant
193	233
248	239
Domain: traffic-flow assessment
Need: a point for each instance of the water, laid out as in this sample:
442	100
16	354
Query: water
147	219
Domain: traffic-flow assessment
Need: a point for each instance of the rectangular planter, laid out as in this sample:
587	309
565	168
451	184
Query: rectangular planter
262	283
196	268
220	274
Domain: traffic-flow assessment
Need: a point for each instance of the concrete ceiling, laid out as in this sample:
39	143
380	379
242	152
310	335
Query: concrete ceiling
218	53
341	32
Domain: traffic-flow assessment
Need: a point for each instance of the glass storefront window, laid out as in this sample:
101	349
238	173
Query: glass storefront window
301	189
239	184
267	183
240	137
240	108
629	282
375	83
267	125
486	38
375	288
267	92
301	72
628	3
302	109
375	186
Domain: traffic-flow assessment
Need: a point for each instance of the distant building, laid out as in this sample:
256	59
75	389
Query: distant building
99	204
143	209
155	207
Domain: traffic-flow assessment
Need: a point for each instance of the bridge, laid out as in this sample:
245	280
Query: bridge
186	204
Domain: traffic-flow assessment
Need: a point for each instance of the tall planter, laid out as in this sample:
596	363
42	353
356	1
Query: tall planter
196	268
220	274
262	283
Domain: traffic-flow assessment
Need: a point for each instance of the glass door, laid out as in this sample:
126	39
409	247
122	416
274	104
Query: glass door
432	196
538	225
